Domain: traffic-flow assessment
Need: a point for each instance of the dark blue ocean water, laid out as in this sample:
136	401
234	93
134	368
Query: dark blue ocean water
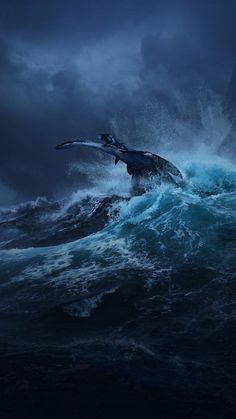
112	303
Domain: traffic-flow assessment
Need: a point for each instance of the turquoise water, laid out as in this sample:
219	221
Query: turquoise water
145	295
161	230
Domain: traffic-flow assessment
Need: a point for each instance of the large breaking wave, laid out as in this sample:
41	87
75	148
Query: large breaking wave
153	276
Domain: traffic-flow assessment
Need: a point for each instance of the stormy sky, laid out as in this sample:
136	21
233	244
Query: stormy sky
72	68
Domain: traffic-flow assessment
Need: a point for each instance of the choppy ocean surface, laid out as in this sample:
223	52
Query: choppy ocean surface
112	303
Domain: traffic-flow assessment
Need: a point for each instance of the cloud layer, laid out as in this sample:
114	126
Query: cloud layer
81	68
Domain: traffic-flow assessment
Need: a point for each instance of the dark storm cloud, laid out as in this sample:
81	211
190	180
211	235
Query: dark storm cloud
74	19
68	67
38	109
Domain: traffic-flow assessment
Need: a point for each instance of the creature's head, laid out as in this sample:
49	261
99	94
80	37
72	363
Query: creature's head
110	140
